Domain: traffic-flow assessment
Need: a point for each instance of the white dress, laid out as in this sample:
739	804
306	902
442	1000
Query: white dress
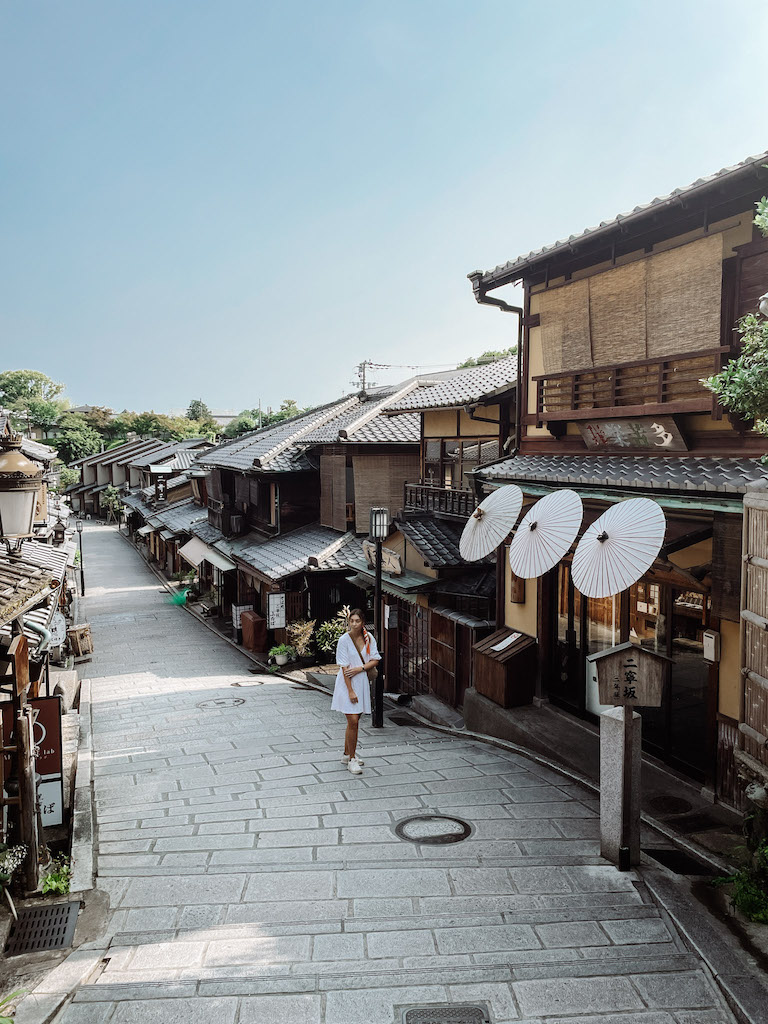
347	655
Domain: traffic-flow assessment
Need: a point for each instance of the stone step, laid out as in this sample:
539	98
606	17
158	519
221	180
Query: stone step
345	976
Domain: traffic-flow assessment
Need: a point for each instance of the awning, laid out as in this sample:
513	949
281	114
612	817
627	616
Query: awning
144	530
406	582
196	551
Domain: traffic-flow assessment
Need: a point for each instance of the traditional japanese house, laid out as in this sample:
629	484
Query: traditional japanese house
437	605
313	479
100	470
621	323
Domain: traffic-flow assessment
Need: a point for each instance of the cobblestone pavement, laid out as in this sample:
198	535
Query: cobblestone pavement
253	878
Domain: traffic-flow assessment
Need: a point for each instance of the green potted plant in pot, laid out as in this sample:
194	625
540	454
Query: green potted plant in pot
282	653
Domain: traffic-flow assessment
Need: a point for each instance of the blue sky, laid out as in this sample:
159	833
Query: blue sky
240	200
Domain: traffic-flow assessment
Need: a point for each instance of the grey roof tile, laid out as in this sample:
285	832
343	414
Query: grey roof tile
682	473
471	385
436	540
180	517
289	554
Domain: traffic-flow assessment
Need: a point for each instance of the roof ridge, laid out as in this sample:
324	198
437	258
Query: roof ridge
376	409
330	413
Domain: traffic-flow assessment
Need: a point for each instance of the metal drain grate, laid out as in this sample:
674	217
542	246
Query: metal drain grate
433	829
40	928
455	1014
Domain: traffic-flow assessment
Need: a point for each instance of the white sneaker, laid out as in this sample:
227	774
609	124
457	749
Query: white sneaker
345	759
354	766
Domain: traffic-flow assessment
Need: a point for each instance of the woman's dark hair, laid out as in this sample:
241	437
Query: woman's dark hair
358	612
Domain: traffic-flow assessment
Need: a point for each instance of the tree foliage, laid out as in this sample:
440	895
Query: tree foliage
22	386
76	442
198	410
491	356
43	414
252	419
742	386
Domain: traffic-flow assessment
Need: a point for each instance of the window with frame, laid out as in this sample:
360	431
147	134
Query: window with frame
449	462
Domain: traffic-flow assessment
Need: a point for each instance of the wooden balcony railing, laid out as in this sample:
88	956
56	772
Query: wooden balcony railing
648	387
441	500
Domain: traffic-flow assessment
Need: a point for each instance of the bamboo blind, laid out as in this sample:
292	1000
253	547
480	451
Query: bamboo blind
666	304
380	481
333	491
683	304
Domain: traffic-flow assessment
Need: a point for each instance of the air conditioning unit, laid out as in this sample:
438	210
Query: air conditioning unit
236	524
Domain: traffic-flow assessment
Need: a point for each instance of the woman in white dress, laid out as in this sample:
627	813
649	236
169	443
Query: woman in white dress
356	655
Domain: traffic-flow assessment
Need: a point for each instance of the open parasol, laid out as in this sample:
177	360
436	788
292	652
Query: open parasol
490	523
618	547
545	533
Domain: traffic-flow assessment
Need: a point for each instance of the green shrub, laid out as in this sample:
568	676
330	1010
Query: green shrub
58	879
328	634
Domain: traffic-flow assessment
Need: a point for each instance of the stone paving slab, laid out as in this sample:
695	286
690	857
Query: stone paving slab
252	878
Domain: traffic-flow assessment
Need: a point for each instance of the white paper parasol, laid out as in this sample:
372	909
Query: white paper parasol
618	547
490	523
545	533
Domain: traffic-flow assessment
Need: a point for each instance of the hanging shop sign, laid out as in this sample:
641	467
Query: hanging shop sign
49	760
276	611
629	675
390	560
658	433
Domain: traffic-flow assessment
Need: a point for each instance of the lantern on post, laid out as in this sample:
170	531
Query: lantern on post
20	481
379	531
59	533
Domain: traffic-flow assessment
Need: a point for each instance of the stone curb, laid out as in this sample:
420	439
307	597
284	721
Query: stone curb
737	978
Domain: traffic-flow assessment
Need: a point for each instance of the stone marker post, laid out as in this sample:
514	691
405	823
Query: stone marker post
628	676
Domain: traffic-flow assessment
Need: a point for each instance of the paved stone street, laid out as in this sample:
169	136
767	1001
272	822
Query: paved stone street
253	878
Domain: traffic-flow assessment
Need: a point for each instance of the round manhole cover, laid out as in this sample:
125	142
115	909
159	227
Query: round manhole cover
670	804
220	702
433	828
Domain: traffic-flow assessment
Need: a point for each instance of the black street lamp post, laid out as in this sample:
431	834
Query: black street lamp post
379	530
82	570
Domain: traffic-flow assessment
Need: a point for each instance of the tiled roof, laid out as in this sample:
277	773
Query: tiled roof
364	422
472	385
436	540
290	553
179	518
52	559
137	501
278	448
513	269
118	457
173	451
705	474
25	582
175	481
207	532
37	451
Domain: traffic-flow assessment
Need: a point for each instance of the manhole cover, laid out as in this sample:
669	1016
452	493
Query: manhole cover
433	829
40	928
669	805
455	1014
220	702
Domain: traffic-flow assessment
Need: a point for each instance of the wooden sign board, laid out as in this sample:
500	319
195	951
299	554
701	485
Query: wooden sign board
390	560
47	737
629	675
276	611
658	433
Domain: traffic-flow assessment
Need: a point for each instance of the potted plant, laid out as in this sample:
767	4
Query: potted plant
283	653
300	635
